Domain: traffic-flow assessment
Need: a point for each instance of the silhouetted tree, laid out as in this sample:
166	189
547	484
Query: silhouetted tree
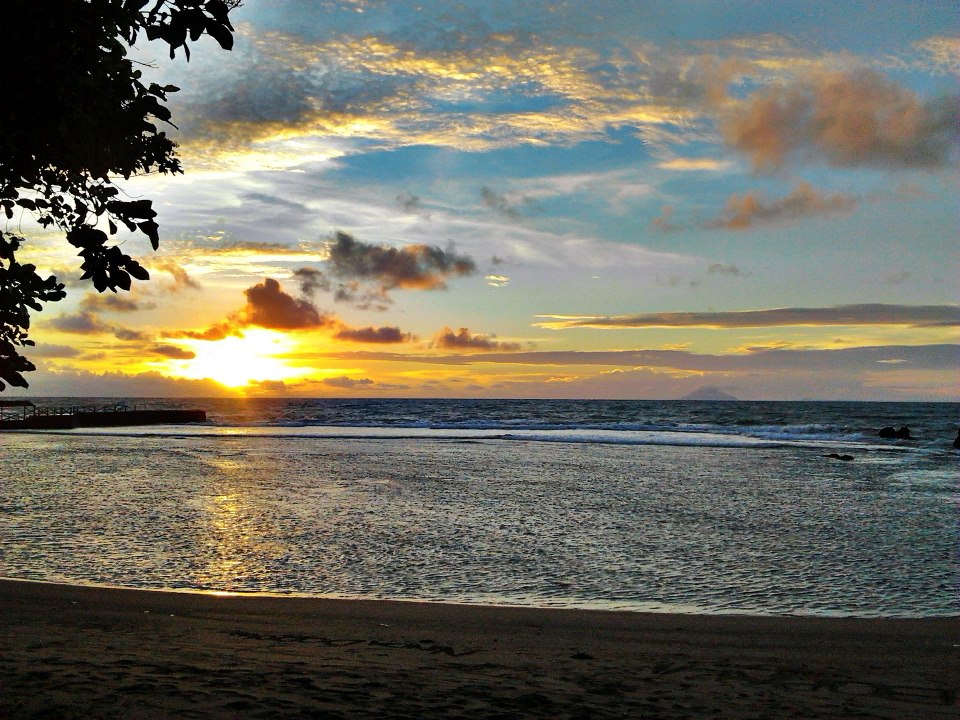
74	116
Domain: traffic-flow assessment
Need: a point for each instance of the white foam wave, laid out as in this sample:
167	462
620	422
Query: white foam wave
686	437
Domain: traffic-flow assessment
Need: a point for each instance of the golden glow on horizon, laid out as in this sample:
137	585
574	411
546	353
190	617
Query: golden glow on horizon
239	360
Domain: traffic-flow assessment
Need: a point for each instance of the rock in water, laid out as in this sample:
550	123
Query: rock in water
956	441
893	434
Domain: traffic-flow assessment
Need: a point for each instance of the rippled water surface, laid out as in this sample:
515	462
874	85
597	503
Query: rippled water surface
767	530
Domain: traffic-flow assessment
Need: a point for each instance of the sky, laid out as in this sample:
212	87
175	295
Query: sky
614	199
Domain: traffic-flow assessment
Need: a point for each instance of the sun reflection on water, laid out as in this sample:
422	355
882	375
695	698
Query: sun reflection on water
232	532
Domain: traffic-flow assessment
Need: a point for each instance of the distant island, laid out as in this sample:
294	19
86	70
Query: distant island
708	392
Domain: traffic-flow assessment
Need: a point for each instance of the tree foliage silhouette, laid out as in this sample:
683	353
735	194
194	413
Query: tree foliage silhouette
76	115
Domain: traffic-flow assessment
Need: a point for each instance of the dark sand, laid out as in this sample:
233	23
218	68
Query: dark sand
71	652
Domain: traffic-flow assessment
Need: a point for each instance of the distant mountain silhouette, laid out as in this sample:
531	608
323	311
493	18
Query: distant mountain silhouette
708	392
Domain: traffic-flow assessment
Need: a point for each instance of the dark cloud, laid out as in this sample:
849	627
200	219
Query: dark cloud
347	382
498	203
128	334
81	323
275	201
382	335
865	314
722	269
268	306
269	386
112	303
873	358
311	280
51	350
463	339
409	202
753	209
174	352
417	267
362	296
88	323
847	119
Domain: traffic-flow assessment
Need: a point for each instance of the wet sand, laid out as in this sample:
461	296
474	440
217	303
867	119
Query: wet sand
73	652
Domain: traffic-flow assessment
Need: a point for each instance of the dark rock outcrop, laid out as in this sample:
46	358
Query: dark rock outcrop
837	456
890	433
956	441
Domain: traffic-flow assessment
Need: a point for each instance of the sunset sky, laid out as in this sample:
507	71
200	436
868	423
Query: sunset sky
541	199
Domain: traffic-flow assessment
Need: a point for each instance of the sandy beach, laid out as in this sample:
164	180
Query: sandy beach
77	652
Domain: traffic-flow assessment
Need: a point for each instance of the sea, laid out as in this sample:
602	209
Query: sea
663	506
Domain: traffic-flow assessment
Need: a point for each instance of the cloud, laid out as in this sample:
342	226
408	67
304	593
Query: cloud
872	358
311	280
701	164
361	296
897	278
268	306
731	270
858	118
260	248
664	221
497	281
752	209
81	323
112	303
347	382
181	280
56	381
498	203
409	203
174	352
463	339
383	335
286	100
864	314
128	334
417	267
52	350
943	52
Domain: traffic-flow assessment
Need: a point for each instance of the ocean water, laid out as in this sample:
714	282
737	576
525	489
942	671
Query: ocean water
665	506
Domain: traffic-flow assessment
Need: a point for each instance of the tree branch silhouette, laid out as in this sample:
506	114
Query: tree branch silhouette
76	115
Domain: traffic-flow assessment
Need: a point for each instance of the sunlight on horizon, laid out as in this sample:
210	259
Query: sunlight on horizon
236	361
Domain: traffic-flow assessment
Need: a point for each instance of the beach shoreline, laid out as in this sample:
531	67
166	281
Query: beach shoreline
77	651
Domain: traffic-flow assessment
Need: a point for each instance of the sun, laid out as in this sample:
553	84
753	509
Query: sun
239	360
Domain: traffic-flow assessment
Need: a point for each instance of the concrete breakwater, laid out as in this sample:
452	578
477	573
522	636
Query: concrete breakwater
101	418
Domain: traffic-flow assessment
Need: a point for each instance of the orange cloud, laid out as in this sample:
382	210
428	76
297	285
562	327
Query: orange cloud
382	335
846	118
750	209
463	339
269	306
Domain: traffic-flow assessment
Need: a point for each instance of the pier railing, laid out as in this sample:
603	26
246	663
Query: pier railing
26	409
29	416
